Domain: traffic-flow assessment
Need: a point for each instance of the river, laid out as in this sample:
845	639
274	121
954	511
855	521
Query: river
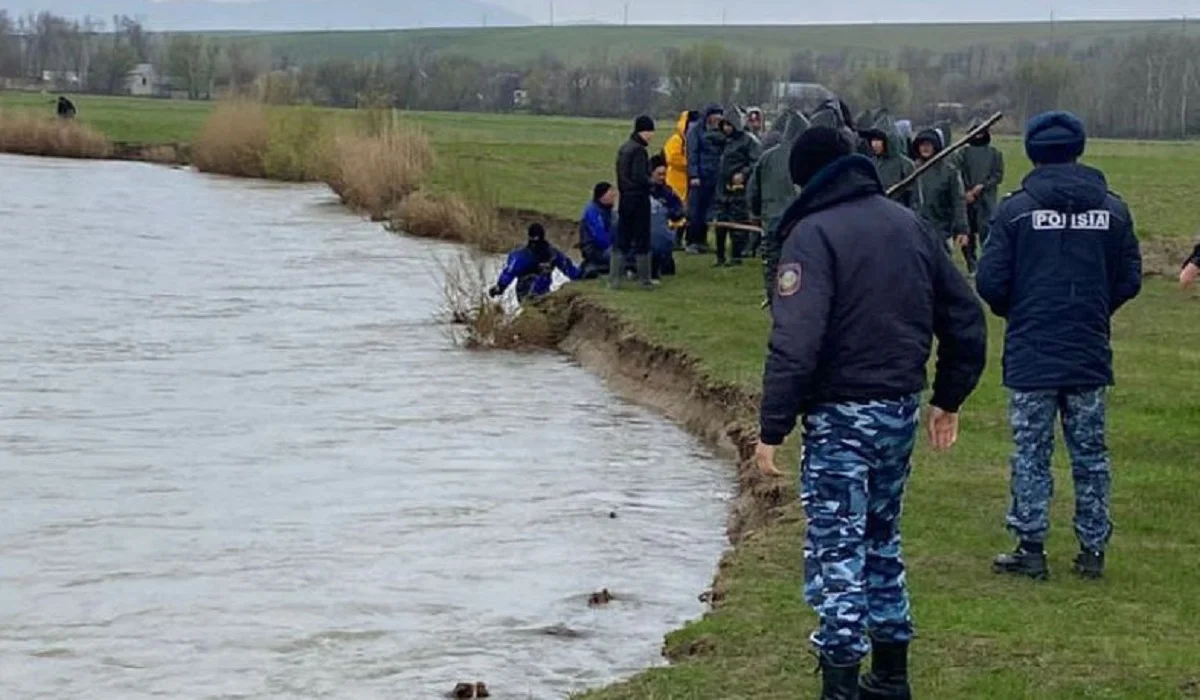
240	458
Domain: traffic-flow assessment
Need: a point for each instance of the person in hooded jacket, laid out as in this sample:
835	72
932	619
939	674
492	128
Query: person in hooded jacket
633	186
705	144
737	161
755	123
771	191
982	167
1061	259
532	267
888	152
863	289
667	215
939	191
596	231
675	151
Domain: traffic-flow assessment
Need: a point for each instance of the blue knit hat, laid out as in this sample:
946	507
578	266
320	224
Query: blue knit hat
1054	137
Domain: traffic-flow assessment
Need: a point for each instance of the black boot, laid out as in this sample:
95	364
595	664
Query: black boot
888	679
1089	564
1023	562
838	682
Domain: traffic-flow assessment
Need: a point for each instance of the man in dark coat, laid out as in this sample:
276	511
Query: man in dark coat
982	167
1061	259
863	289
737	161
939	191
633	210
705	144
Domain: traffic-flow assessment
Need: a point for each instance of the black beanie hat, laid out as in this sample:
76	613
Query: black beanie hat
657	161
537	232
815	149
600	190
643	123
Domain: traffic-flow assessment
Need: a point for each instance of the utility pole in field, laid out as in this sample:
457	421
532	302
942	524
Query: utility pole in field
626	13
551	13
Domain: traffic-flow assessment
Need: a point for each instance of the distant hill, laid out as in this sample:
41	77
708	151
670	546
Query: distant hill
581	43
283	15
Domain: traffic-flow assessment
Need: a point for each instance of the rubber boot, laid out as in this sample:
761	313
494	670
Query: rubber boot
1089	564
643	272
839	682
888	679
1023	562
616	269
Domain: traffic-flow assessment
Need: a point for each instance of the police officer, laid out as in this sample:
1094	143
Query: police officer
862	289
1061	258
532	267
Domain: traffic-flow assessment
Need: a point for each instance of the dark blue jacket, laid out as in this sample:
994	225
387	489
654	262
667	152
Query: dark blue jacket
863	288
704	148
665	207
596	227
534	272
1061	258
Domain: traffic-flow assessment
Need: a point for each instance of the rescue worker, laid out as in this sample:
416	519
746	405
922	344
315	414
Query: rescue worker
1061	259
982	167
667	215
771	191
705	143
633	222
1191	269
532	267
737	161
939	191
596	228
675	151
888	152
862	290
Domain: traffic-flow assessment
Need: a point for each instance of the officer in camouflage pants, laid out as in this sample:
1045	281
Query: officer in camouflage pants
857	273
852	562
1032	414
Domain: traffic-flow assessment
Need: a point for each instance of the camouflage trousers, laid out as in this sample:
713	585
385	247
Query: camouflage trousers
1032	414
772	248
855	466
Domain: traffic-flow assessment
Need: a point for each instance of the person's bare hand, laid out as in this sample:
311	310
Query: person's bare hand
738	178
1189	274
971	196
943	428
961	240
764	457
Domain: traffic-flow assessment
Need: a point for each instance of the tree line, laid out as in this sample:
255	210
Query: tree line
1141	87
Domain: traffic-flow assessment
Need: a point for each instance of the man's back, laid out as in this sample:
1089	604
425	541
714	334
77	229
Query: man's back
863	287
1062	258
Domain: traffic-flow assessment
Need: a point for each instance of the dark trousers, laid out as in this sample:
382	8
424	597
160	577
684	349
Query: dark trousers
739	243
700	203
633	233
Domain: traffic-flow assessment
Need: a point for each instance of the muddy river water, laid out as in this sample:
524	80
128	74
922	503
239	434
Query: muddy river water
240	458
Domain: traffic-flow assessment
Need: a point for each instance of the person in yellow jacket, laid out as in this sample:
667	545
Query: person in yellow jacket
676	154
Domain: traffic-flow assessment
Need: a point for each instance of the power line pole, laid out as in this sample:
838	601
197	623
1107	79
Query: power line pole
551	13
626	13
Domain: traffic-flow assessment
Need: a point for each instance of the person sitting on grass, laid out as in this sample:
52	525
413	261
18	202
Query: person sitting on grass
667	216
532	267
65	108
596	231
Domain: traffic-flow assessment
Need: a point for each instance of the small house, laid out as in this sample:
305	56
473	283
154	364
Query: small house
144	81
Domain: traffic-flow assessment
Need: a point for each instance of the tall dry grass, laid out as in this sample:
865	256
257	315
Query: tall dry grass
374	173
234	141
478	322
470	214
37	135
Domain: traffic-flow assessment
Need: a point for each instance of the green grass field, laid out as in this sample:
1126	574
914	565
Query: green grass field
580	43
1133	635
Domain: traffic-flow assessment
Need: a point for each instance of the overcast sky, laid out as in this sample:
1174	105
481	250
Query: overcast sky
799	11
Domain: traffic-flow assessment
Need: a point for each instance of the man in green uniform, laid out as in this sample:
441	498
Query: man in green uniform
982	167
887	149
737	160
771	191
939	191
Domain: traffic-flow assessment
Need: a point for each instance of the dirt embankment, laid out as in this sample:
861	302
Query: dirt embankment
672	382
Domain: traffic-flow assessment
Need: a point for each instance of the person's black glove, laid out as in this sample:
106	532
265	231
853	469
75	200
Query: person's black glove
495	291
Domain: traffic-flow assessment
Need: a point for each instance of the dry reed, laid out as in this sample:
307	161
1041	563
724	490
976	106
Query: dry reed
375	173
479	322
234	141
35	135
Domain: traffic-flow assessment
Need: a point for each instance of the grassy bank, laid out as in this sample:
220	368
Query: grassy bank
1130	636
